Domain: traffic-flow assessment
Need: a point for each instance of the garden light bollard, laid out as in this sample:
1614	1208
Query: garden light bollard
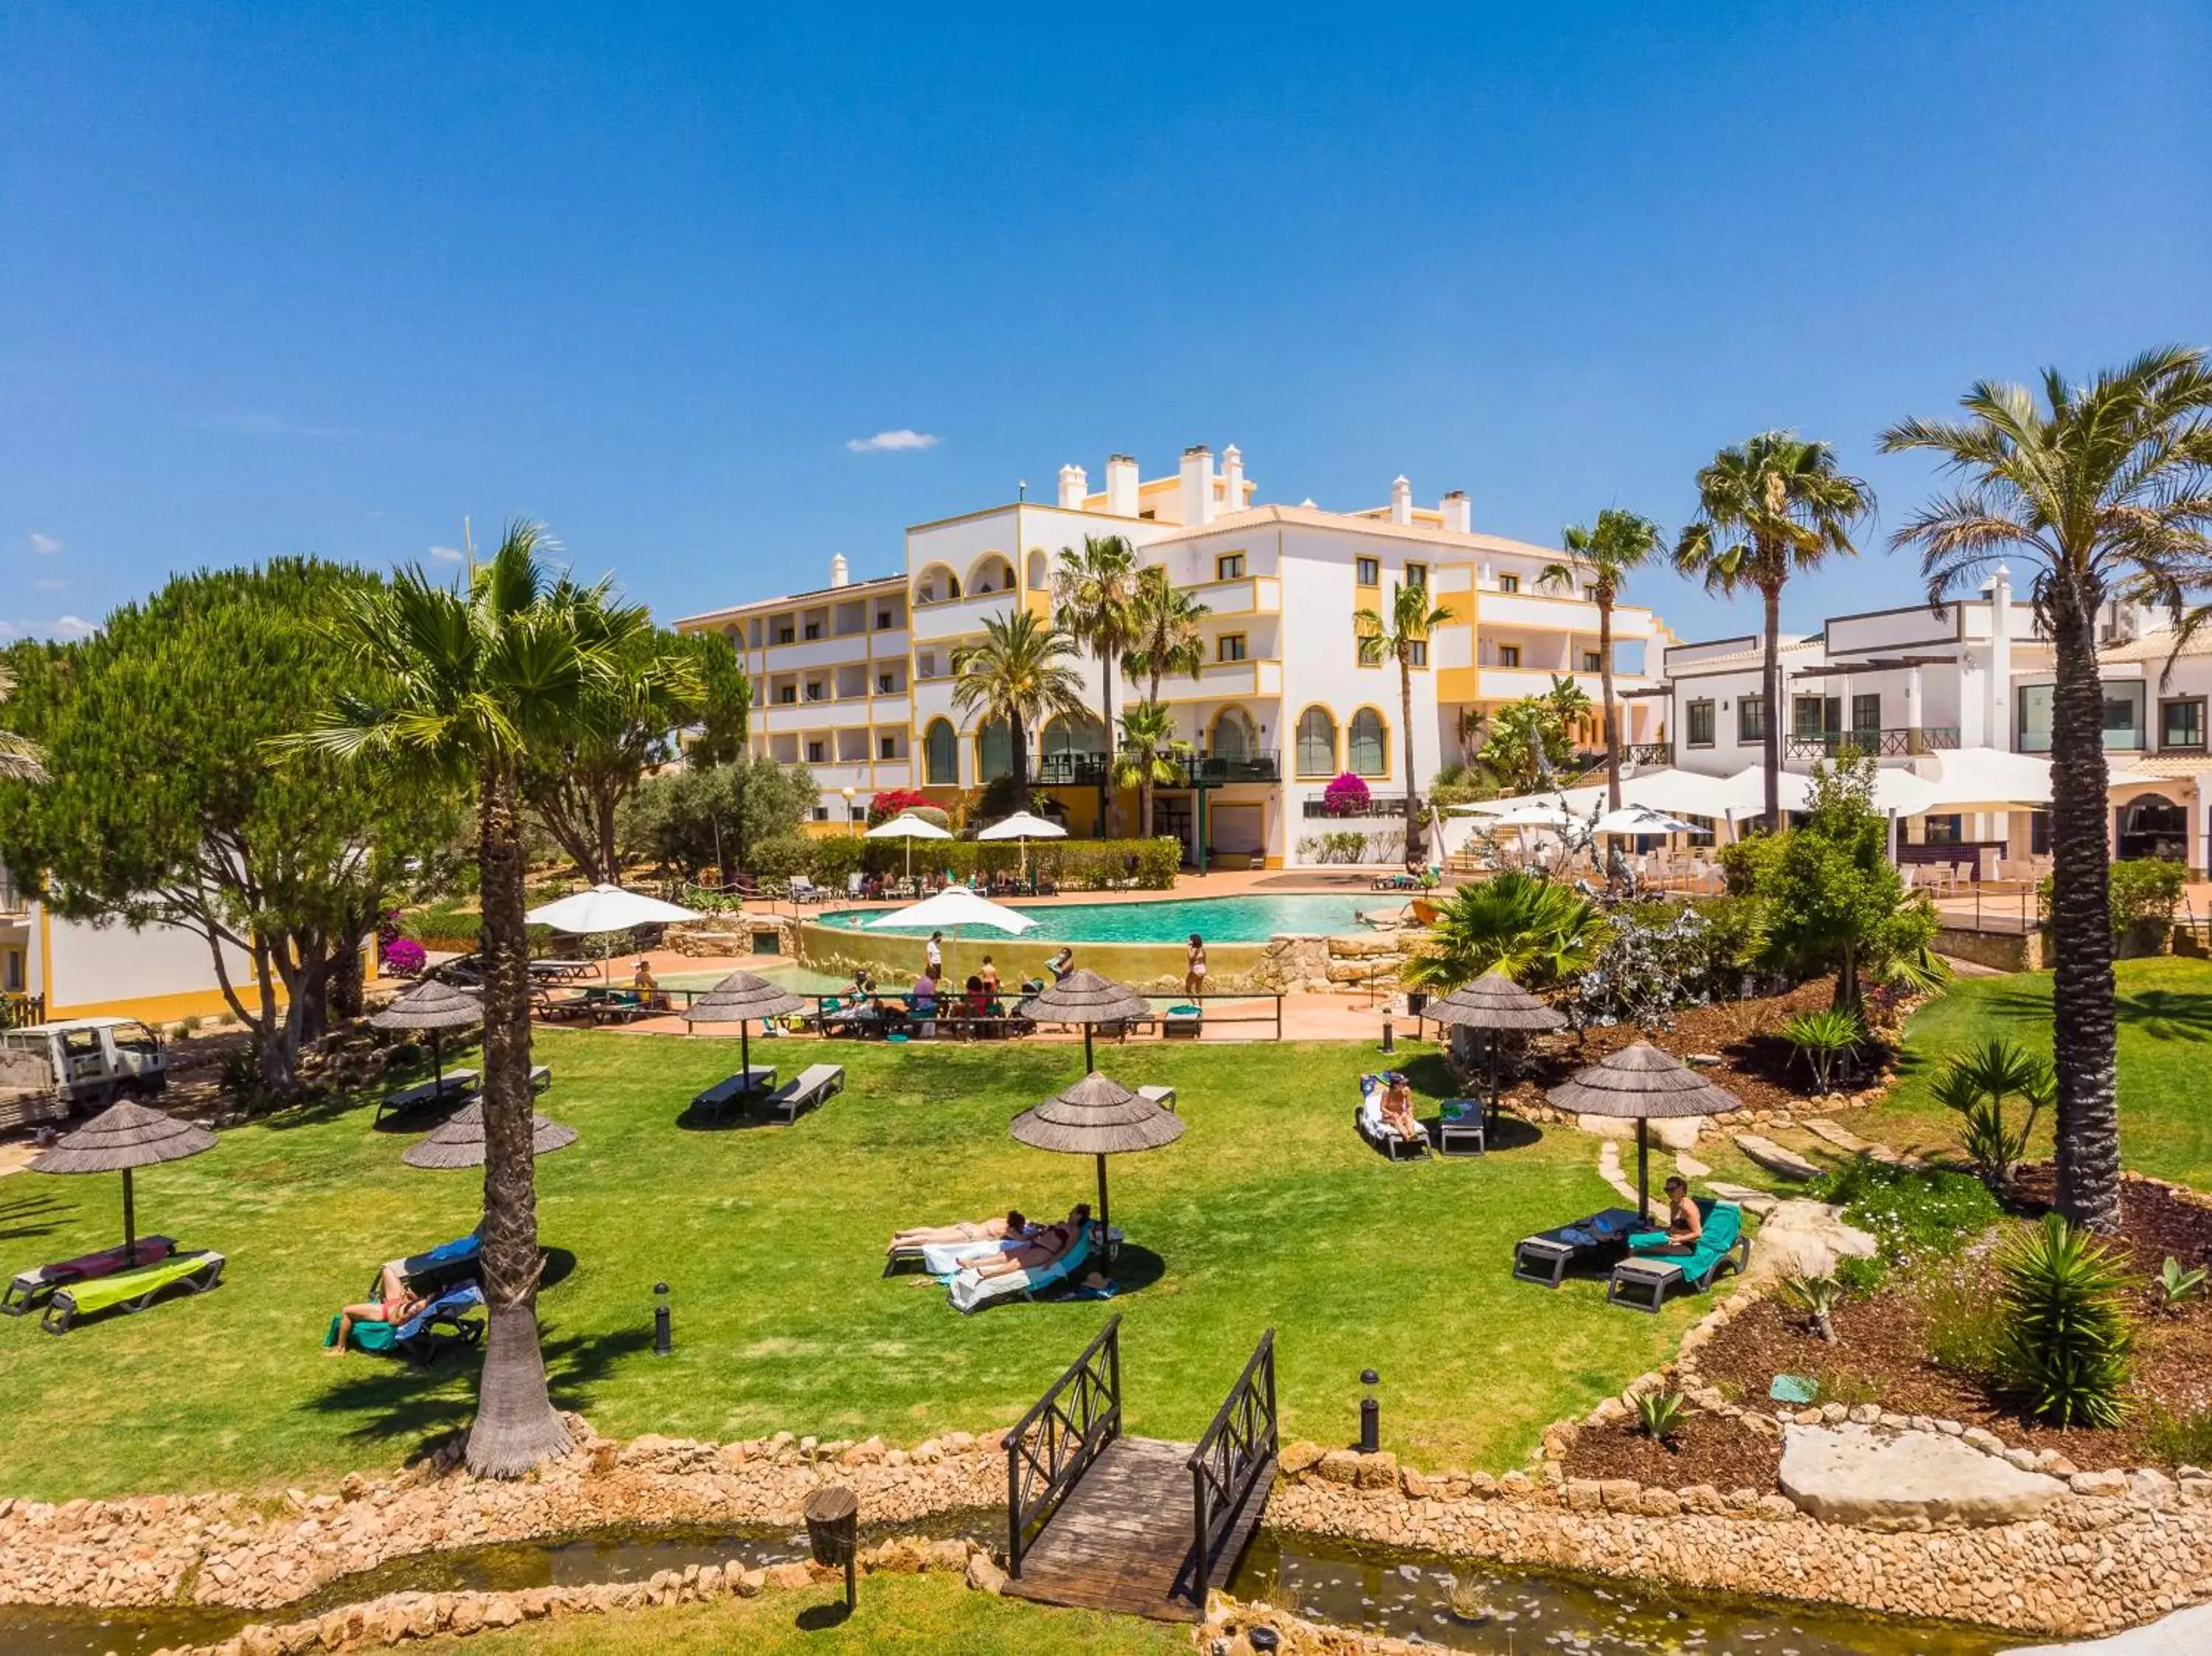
663	1339
1371	1414
833	1523
1390	1037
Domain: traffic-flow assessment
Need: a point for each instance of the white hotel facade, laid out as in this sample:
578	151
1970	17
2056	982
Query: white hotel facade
854	680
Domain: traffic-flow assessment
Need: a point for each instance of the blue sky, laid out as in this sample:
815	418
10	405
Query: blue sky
285	278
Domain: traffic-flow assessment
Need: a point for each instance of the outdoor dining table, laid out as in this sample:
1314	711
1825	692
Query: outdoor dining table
1600	1239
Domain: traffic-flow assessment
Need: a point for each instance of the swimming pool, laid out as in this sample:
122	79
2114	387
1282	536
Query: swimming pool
1254	917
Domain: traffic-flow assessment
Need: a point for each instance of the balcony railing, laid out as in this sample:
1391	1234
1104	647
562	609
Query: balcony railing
1901	742
1087	770
1317	809
1070	770
1646	753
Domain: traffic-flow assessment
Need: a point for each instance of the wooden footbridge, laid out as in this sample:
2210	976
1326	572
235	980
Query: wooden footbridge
1102	1521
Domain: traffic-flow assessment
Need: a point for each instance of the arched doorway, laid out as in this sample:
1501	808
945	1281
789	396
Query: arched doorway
941	755
2152	825
1071	751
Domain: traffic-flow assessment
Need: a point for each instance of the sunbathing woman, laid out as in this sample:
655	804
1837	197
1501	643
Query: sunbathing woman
1398	1109
971	1230
1043	1249
395	1305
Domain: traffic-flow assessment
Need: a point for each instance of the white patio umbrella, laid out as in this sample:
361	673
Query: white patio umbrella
1535	813
949	911
1023	827
605	908
1642	819
908	828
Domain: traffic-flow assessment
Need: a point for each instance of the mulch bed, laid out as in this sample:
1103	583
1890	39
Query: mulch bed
1708	1449
1881	1354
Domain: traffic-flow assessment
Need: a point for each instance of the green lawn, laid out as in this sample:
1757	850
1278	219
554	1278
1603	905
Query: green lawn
1270	1211
2166	1062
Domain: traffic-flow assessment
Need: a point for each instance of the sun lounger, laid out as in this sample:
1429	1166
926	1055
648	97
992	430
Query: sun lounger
130	1290
1162	1096
445	1265
1183	1023
458	1083
1373	1128
31	1286
730	1088
446	1321
970	1293
814	1086
1641	1281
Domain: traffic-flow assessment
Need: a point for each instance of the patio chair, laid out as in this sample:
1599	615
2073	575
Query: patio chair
1368	1117
970	1293
445	1322
30	1287
1641	1281
856	886
809	1089
804	890
1162	1096
130	1290
434	1270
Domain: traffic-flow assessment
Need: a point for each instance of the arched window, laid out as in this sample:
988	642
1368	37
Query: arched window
941	755
936	585
1369	743
1040	570
1065	744
992	574
1316	742
1233	736
994	750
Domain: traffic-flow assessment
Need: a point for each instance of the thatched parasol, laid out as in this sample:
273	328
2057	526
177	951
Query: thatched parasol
1097	1117
459	1142
126	1134
1493	1003
1086	999
434	1008
740	998
1643	1083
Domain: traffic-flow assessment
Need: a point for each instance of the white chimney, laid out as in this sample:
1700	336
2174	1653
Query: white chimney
839	573
1074	486
1121	485
1197	491
1459	516
1232	479
1401	501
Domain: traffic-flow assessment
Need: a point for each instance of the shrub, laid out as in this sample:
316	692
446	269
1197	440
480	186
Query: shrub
1659	1414
189	1027
1912	1214
1352	845
1538	933
1966	1327
2140	891
1861	1275
897	802
1824	1039
1975	1084
1817	1297
2180	1440
1657	960
2065	1349
830	860
404	957
2177	1286
1347	796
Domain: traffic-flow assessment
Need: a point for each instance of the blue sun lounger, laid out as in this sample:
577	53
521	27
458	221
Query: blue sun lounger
970	1293
446	1321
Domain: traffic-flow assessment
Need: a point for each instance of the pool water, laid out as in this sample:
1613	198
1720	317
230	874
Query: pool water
1251	919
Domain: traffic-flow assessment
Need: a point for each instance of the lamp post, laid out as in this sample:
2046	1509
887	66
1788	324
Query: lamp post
664	1342
1371	1414
833	1517
850	829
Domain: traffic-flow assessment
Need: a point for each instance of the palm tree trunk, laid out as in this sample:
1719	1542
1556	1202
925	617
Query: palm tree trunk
2083	1037
1017	745
1405	722
515	1428
1106	685
1773	679
1605	681
1144	799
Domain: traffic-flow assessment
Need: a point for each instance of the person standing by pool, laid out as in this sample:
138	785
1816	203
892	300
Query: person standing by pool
1193	971
989	974
934	949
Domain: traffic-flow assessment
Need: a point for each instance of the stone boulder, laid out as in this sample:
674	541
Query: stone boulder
1849	1475
1800	1238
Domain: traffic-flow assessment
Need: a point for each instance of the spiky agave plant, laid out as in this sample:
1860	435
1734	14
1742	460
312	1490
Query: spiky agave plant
1659	1416
1824	1037
2066	1348
1817	1297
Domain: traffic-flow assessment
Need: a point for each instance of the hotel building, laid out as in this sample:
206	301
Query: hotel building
854	680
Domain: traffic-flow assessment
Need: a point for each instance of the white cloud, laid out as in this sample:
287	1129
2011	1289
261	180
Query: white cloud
889	442
51	585
446	553
45	545
72	627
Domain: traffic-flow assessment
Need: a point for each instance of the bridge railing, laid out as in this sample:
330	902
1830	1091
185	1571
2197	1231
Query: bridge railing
1229	1459
1056	1441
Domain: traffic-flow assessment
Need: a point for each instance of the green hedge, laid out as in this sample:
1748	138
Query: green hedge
453	930
1071	863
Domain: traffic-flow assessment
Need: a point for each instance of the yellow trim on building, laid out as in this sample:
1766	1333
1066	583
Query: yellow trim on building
151	1009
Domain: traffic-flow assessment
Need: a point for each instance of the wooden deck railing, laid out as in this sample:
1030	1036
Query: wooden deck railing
1056	1441
1236	1449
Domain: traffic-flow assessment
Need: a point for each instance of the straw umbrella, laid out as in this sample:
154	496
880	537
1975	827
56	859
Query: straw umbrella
1643	1083
460	1142
1493	1002
1025	826
434	1008
740	998
125	1136
908	828
1086	999
1097	1117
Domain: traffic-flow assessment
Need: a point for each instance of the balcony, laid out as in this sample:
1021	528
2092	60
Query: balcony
1903	742
1063	770
1070	770
1646	753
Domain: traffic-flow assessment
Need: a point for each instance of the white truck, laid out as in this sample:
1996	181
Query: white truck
89	1063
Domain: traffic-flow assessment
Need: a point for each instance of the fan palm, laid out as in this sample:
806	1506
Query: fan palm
1164	635
2106	489
466	683
1771	508
1621	543
1536	932
1146	756
1094	603
1020	672
1401	636
19	758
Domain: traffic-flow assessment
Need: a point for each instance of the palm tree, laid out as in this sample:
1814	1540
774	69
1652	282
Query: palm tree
1404	635
2106	489
1094	603
1567	705
1020	673
19	758
1164	635
1146	758
1537	933
1767	510
1622	541
465	684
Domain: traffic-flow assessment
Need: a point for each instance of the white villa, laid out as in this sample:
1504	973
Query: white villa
855	678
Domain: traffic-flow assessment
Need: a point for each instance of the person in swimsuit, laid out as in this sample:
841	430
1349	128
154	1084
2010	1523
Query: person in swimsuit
1398	1109
1193	971
394	1304
968	1230
1685	1224
1040	1250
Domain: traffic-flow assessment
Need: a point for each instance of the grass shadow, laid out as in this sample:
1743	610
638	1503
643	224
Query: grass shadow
2167	1015
820	1618
1510	1132
734	1118
1134	1270
35	1214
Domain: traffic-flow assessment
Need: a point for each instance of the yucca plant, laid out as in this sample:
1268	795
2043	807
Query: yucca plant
1824	1039
1817	1297
2065	1351
1976	1084
1659	1414
1536	932
2177	1286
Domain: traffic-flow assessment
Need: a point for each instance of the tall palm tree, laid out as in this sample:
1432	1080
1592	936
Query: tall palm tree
1146	756
1568	706
1767	509
1401	636
1094	602
465	683
1020	672
2106	489
19	758
1621	543
1164	635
